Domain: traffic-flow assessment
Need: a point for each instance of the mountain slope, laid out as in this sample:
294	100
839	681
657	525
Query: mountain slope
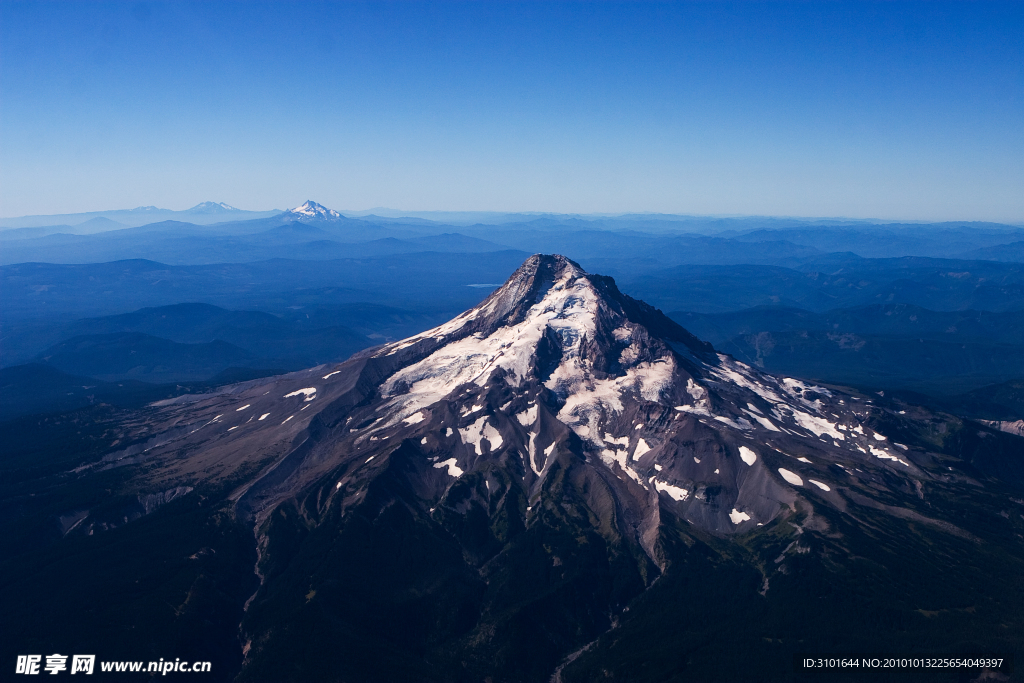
561	470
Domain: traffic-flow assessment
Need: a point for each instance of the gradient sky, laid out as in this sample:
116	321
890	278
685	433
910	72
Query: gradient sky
886	110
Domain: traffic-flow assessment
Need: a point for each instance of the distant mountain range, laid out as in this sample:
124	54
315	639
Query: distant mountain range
757	228
780	284
204	213
217	233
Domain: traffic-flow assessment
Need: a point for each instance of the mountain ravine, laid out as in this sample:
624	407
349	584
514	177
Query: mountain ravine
559	484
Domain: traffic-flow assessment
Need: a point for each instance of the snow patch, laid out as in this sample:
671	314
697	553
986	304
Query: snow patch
792	477
878	453
675	492
619	441
739	374
694	410
817	425
610	457
739	423
823	487
763	421
748	456
622	334
453	469
641	448
736	516
308	392
696	391
528	416
478	431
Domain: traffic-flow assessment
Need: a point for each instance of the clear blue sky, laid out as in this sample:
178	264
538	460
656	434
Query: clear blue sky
884	109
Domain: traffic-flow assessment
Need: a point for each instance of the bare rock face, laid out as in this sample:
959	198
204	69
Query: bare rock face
486	497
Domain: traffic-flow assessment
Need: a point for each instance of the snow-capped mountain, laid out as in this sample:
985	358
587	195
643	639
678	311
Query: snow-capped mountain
213	207
310	210
560	467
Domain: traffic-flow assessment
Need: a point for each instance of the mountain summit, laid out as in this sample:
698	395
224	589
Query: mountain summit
312	210
563	483
213	207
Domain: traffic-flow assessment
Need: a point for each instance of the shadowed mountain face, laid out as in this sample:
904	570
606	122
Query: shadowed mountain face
559	483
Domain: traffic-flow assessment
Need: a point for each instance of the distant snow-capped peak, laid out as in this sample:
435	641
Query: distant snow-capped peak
313	210
212	207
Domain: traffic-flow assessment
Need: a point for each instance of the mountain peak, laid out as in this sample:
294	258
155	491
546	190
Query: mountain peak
557	328
559	369
311	209
551	289
212	207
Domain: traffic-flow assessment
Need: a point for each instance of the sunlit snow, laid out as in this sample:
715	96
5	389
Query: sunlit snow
736	516
792	477
453	469
309	392
675	492
641	448
528	416
568	310
479	430
817	425
620	441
